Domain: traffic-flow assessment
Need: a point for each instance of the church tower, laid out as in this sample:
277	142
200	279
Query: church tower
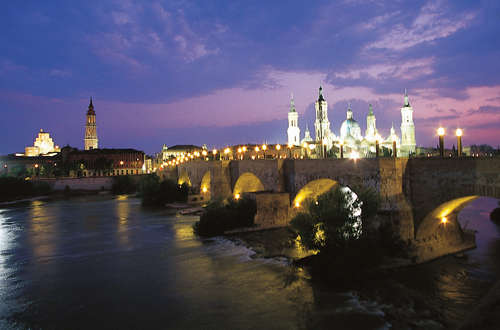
322	124
371	127
293	125
90	129
408	143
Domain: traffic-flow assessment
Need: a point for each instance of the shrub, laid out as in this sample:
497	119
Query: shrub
123	185
12	188
495	215
220	217
155	192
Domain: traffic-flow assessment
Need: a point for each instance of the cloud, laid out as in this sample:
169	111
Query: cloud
433	22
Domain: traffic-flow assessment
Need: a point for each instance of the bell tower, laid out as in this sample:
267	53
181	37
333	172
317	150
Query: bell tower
293	125
408	144
90	140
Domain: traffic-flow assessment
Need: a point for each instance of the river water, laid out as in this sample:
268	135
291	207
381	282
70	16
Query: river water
96	262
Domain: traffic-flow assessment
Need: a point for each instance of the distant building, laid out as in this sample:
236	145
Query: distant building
43	145
90	140
178	150
104	162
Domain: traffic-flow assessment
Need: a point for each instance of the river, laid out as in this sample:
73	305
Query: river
98	262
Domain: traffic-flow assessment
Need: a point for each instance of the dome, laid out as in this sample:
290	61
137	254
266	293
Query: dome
350	127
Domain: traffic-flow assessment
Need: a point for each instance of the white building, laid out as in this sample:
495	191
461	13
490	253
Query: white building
350	136
293	125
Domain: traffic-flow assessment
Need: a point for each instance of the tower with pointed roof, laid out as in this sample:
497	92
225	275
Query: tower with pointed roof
371	127
408	144
293	125
322	124
90	140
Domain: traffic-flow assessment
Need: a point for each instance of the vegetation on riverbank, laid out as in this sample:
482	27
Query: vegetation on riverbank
13	188
495	215
220	217
123	185
333	225
154	192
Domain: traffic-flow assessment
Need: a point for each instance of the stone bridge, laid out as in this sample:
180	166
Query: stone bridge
421	197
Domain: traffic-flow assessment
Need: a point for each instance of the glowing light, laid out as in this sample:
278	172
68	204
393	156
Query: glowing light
121	162
239	150
297	204
237	196
440	131
244	149
354	155
312	146
257	149
214	151
444	220
36	165
305	145
204	189
264	147
459	132
278	147
227	150
204	152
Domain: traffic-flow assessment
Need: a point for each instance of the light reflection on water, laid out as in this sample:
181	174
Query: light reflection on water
81	262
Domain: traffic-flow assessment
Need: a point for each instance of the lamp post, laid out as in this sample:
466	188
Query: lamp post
264	148
377	148
289	150
257	149
278	148
341	149
440	133
459	133
214	152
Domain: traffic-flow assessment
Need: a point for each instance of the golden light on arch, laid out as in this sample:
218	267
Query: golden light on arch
312	190
184	178
205	182
434	219
248	182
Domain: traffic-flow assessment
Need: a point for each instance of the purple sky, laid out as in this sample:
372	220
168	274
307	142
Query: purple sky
221	72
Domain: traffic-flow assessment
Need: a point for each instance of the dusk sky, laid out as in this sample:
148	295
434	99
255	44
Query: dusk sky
221	72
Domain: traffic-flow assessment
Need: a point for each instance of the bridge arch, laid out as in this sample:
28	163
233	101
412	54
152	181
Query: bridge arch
247	182
443	216
312	190
205	187
184	177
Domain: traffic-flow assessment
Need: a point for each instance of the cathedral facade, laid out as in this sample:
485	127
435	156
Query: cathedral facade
350	137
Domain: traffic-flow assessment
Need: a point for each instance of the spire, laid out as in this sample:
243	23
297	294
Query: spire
349	111
292	104
321	98
370	108
407	102
91	106
307	128
393	132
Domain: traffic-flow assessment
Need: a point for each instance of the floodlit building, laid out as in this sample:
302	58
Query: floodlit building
350	137
90	140
43	145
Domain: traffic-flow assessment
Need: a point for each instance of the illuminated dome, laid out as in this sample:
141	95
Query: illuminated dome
350	127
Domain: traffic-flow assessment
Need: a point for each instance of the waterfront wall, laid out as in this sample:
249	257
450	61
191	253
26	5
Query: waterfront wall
85	183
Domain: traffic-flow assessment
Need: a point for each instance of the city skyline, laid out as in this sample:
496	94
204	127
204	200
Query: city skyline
194	73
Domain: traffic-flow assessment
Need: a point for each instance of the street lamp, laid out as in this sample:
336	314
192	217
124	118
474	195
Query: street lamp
257	149
278	147
214	152
441	132
264	148
341	149
459	134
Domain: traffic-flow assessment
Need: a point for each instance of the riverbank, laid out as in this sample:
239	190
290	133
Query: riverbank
380	298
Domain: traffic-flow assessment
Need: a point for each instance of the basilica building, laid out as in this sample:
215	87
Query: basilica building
350	137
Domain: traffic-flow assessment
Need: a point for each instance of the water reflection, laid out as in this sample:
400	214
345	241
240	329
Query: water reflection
42	229
123	214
